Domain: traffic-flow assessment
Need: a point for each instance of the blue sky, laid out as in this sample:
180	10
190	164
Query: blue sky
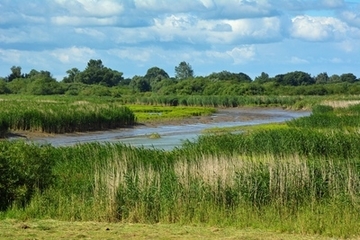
131	36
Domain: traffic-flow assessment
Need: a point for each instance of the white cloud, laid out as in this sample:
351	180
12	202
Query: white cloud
83	21
10	56
94	33
91	8
303	5
332	3
73	54
318	28
24	35
353	18
133	54
193	30
242	54
165	6
297	60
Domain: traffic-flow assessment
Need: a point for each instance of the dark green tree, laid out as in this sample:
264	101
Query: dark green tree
296	78
229	76
263	78
334	78
184	71
15	73
155	76
322	78
348	77
42	83
140	84
73	76
97	73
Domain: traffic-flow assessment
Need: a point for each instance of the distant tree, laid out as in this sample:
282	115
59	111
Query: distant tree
296	78
322	78
73	76
97	73
15	73
154	76
229	76
263	78
184	71
156	72
334	78
140	84
42	83
348	77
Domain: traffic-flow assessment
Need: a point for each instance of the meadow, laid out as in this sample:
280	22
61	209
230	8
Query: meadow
300	177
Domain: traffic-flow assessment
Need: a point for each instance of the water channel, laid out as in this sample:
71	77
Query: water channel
172	135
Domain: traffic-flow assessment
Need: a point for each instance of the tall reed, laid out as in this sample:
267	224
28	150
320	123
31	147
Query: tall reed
61	117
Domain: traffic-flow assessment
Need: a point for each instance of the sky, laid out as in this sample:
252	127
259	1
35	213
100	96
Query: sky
131	36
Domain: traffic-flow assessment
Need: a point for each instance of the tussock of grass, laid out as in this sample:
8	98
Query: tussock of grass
154	136
158	113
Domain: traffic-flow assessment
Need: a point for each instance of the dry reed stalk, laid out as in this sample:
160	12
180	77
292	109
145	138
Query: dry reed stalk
341	103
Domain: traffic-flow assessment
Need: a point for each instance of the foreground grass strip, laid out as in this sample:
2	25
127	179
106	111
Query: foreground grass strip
52	229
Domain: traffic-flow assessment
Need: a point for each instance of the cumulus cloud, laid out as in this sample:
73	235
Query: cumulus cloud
351	17
318	28
242	54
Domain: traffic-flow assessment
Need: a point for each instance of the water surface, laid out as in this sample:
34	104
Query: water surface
173	135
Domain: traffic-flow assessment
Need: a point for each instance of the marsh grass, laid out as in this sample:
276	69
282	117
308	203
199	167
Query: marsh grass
146	113
59	117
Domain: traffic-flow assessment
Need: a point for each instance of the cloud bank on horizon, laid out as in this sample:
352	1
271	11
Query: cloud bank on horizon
131	36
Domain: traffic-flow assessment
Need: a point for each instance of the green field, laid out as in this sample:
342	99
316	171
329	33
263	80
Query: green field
299	180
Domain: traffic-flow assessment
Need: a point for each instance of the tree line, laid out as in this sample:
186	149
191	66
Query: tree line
96	79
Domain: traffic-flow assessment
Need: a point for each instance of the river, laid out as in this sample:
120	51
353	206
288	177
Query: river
173	134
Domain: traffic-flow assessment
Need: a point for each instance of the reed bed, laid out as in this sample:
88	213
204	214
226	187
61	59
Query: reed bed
295	102
63	117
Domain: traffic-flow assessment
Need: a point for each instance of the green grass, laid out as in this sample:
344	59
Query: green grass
145	113
52	229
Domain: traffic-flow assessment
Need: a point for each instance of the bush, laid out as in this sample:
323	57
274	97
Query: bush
24	169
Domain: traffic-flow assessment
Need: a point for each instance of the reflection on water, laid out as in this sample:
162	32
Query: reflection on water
171	135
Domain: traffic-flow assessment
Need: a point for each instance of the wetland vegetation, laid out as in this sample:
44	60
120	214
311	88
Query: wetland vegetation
302	176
